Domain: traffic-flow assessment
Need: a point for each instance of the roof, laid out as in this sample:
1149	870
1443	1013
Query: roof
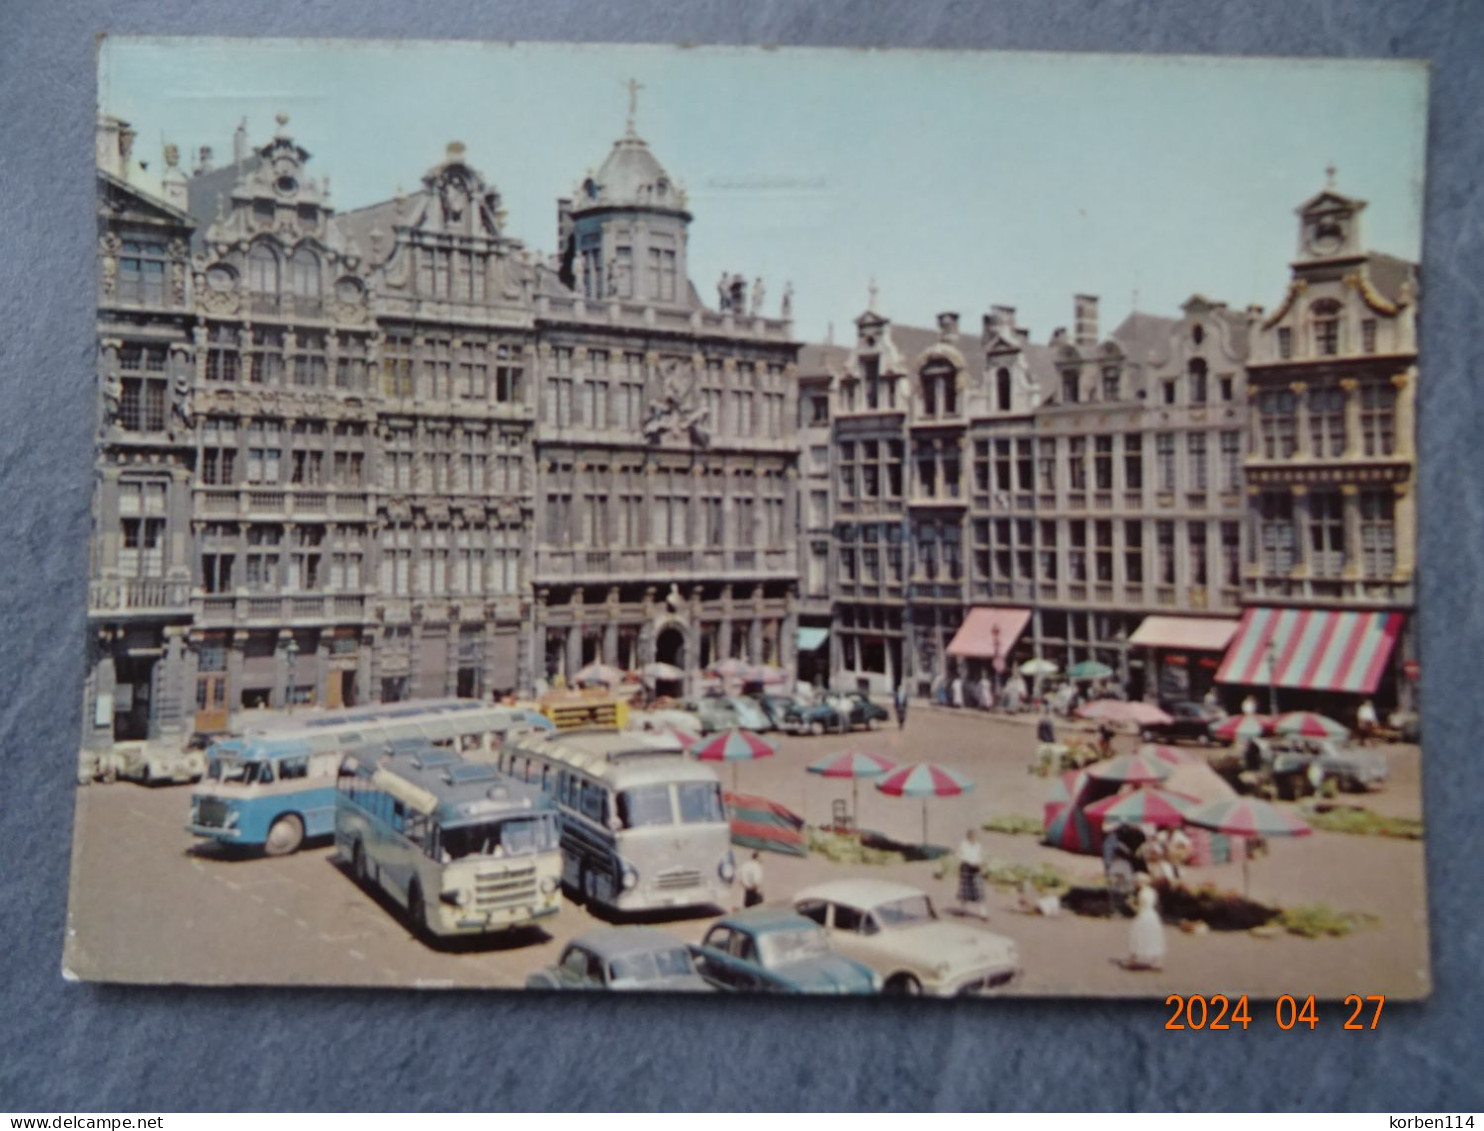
859	892
616	942
1144	336
464	790
818	357
1200	634
643	757
381	217
764	920
630	177
1387	274
110	185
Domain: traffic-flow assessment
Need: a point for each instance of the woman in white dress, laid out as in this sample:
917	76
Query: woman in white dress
1146	936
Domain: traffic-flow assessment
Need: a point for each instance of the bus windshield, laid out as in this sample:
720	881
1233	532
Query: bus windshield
645	806
234	770
516	836
700	802
650	966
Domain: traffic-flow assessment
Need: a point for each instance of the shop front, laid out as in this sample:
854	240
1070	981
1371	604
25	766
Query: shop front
1182	655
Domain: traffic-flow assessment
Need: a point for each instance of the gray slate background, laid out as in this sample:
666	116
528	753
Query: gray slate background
88	1048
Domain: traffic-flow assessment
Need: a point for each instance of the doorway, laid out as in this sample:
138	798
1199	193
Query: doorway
669	647
131	698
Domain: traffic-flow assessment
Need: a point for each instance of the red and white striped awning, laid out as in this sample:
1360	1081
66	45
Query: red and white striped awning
1311	649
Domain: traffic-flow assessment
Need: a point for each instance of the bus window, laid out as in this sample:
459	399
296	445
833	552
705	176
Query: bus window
594	802
260	772
290	768
416	829
645	806
546	778
700	802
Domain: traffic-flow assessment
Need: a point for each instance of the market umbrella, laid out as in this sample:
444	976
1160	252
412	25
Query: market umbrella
735	745
1066	826
1136	768
853	766
1089	669
924	780
684	737
1310	725
1163	753
657	671
735	668
1123	711
1038	666
769	674
1147	805
598	673
1248	817
1242	726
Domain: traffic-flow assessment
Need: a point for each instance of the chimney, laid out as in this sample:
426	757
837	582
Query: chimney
203	160
564	221
1000	320
239	142
948	324
173	181
1086	320
114	144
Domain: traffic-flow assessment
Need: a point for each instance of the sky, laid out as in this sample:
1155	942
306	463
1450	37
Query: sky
955	180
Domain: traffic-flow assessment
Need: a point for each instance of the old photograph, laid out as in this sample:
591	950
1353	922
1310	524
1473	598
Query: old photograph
655	518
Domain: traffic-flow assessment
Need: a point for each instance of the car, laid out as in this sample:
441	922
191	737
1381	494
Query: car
1300	765
894	929
750	713
785	712
657	718
150	763
1189	722
622	958
841	711
776	949
714	713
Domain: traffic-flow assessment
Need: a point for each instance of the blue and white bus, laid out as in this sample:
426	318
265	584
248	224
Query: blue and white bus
460	846
643	826
274	790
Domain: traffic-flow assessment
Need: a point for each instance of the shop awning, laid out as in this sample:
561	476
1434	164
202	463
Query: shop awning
811	638
1312	649
986	628
1193	634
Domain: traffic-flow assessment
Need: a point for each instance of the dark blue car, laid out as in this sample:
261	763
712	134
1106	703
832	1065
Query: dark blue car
775	949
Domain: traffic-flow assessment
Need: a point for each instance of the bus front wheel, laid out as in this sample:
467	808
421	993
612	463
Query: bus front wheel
285	836
417	911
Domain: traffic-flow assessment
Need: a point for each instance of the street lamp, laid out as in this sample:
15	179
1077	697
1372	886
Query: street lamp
996	662
1272	679
291	650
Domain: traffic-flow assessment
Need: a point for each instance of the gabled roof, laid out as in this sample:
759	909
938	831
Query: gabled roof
1143	336
818	357
152	207
1328	198
384	216
1387	274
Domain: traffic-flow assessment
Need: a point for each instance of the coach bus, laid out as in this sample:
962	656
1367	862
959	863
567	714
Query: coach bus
643	827
272	791
460	846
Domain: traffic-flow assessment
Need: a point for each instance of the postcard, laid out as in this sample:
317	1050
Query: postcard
723	519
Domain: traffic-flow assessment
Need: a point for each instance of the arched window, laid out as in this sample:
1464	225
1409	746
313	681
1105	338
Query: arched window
305	274
1002	389
939	389
1326	319
262	270
1196	381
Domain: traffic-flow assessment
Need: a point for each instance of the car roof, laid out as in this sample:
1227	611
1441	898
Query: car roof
859	892
618	942
763	920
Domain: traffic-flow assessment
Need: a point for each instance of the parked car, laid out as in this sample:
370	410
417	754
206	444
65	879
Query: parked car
750	713
1189	722
841	711
622	958
714	713
894	929
775	949
1296	766
786	713
656	718
150	763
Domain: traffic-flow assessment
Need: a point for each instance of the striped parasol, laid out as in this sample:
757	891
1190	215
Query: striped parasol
735	745
1147	805
1248	817
1310	725
853	765
684	737
1242	726
1163	753
1124	711
924	780
1136	768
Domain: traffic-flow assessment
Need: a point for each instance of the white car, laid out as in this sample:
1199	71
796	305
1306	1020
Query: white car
894	929
660	717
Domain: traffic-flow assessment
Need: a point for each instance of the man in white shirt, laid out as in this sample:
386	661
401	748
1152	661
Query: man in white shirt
751	876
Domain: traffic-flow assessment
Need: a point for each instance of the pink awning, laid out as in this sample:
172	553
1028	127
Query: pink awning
1198	634
1313	649
989	632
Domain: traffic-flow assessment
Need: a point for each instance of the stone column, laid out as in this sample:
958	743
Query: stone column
724	635
1354	443
574	652
1405	520
236	651
1303	567
368	687
1406	438
1350	501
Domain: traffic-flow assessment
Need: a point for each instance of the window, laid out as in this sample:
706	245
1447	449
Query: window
1002	466
1167	391
1133	461
1069	386
819	410
304	276
1285	343
141	273
1077	463
1275	532
508	370
262	271
142	548
1368	335
1103	550
1198	571
262	559
1228	387
142	396
1077	551
1196	384
1231	461
1164	461
1231	554
1002	387
1325	316
1048	552
1277	426
1378	417
1164	548
1195	443
222	358
1378	532
1133	551
1110	383
1326	533
396	366
1103	463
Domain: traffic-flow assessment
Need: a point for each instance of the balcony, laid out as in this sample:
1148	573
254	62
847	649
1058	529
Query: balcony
139	597
278	504
638	565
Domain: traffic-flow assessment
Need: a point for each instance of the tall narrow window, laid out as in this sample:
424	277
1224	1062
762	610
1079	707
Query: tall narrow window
1325	315
1326	533
1378	532
1327	422
1164	461
1277	424
1378	417
1002	386
1276	532
1196	449
1196	383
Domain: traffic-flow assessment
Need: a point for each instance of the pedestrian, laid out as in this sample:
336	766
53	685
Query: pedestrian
1249	705
752	881
986	694
1146	935
1212	702
1105	740
971	875
940	689
1365	722
900	699
956	691
1045	729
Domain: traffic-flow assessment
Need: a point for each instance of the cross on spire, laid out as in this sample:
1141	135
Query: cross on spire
1329	175
871	295
634	87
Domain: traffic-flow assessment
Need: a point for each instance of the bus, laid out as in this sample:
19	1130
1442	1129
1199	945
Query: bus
462	848
274	790
643	827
